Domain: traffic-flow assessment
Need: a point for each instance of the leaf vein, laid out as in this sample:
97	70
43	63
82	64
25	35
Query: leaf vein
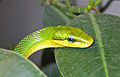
100	45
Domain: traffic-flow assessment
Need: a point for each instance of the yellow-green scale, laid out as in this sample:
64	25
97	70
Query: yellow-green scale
53	36
32	39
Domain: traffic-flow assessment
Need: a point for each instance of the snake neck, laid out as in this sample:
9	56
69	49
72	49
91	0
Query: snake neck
35	41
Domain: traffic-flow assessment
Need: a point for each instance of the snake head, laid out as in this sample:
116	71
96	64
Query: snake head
66	36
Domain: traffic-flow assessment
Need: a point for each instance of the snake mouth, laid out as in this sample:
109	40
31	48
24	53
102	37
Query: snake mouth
81	45
90	42
87	44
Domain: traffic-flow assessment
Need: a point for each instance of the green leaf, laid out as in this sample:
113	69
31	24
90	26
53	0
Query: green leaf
13	65
51	70
102	59
53	16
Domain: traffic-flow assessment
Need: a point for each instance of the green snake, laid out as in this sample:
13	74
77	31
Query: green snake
53	36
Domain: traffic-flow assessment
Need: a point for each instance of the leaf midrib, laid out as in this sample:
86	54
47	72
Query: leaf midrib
100	45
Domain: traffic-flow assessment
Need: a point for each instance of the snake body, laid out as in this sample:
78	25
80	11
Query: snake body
53	36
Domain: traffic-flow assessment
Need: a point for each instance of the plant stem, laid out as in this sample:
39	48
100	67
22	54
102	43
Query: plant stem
97	2
93	8
68	9
71	14
67	4
60	5
91	2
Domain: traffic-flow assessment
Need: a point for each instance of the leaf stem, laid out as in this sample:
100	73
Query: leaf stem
67	4
71	14
97	2
91	2
68	9
93	8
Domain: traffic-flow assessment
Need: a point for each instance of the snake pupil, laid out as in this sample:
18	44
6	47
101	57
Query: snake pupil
71	39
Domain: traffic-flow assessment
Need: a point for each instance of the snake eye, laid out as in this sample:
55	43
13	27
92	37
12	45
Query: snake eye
71	39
